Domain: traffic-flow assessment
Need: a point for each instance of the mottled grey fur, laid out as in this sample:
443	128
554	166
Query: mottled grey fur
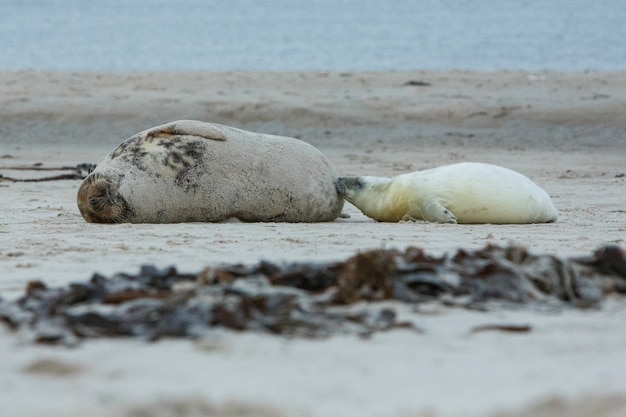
191	171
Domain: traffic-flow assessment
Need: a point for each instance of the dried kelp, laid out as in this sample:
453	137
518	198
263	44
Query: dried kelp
309	299
78	172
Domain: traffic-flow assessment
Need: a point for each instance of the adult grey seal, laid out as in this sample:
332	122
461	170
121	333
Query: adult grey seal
458	193
192	171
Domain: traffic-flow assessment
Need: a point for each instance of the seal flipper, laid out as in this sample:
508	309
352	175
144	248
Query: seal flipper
433	211
189	128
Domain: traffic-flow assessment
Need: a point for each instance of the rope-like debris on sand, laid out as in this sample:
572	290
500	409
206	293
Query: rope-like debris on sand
311	299
78	172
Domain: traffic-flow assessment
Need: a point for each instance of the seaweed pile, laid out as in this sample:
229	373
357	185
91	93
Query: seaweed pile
309	299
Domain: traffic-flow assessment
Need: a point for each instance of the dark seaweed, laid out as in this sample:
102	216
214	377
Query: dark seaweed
310	299
78	172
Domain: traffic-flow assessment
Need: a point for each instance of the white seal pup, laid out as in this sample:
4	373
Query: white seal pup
459	193
191	171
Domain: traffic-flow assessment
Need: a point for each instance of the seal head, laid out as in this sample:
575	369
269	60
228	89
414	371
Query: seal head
369	195
99	201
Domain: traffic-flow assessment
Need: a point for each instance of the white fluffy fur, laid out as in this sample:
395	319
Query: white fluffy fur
459	193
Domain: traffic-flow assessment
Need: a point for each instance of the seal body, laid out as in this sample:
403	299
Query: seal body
458	193
191	171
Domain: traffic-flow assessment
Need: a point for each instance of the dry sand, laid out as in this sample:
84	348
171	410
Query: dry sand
566	131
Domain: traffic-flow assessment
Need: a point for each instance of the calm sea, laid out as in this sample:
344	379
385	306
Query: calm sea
338	35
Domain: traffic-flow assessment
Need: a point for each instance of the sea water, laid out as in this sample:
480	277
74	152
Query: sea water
336	35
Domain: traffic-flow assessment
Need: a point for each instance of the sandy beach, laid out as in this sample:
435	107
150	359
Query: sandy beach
566	131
